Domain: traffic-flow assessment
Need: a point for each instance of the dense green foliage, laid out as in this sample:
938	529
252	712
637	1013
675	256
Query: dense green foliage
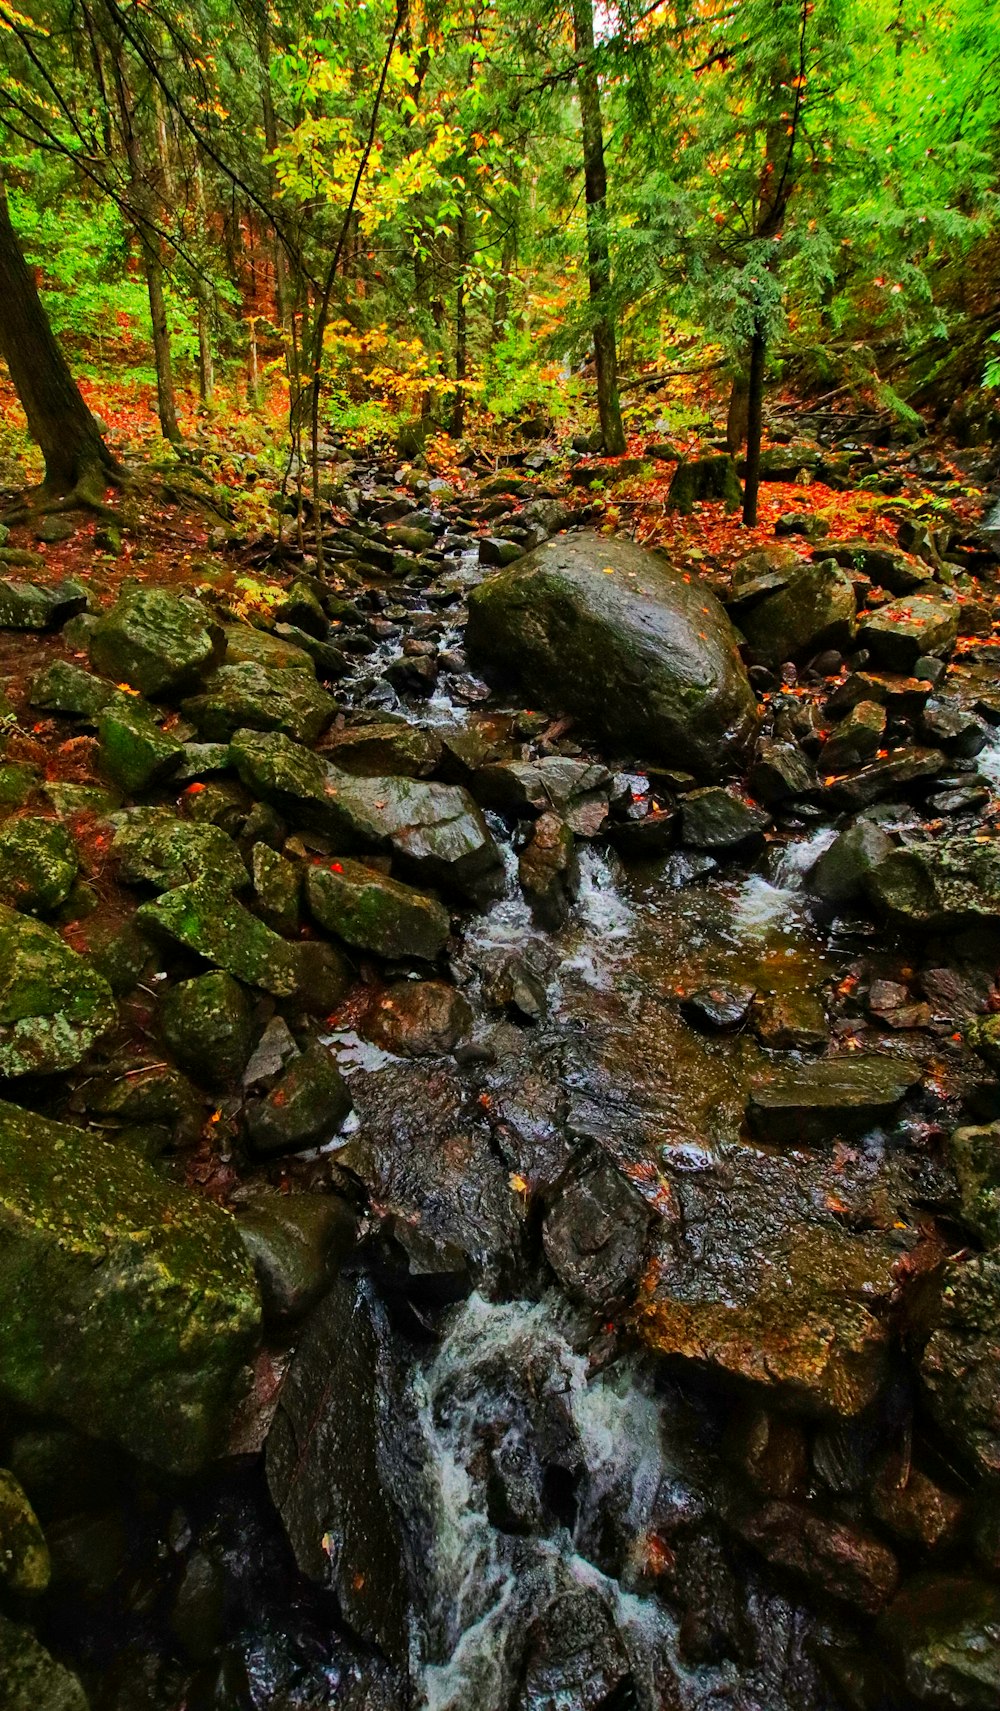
822	171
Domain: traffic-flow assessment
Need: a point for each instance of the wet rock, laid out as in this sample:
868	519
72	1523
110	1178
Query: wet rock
24	1555
813	609
914	1507
704	478
38	865
155	847
135	753
841	1561
514	985
400	750
136	1304
961	1363
897	635
329	662
942	1639
834	1097
595	1234
857	738
574	1655
770	1451
549	872
297	1243
32	1680
207	1025
374	913
899	770
54	1006
334	1441
259	698
722	822
277	888
266	648
779	773
161	643
649	659
939	884
203	919
419	1018
413	675
842	873
718	1009
494	550
435	830
425	1158
753	1275
948	727
305	1107
789	1022
555	782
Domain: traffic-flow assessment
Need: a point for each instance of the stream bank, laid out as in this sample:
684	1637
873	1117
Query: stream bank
605	1150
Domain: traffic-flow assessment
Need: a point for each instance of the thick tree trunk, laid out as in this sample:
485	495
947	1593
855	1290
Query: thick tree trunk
598	244
76	459
755	426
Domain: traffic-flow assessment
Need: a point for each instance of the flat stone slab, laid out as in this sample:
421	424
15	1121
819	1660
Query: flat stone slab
831	1098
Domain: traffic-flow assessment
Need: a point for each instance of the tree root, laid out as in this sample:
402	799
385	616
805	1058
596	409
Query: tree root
86	495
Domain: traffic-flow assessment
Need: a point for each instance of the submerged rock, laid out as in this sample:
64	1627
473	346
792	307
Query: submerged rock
753	1274
54	1006
842	1096
137	1306
601	629
161	643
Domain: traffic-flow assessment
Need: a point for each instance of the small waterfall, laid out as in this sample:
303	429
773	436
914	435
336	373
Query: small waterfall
507	1398
762	904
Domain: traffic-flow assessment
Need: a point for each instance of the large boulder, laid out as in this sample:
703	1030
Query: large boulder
261	698
609	632
154	846
38	865
205	918
374	913
160	643
939	884
136	1303
54	1006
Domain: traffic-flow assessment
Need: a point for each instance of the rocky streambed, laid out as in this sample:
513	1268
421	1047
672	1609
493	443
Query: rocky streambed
500	1174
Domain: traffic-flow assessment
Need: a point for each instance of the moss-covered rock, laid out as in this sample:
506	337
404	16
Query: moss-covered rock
207	1024
277	885
36	606
974	1153
402	750
136	1306
155	847
609	632
18	783
134	752
54	1006
246	646
38	865
941	1638
261	698
31	1678
159	642
24	1555
374	913
66	688
703	478
939	884
203	918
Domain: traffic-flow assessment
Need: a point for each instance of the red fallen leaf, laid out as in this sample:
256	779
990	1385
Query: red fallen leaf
335	867
193	789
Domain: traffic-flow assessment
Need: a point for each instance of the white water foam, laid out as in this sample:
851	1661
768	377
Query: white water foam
761	905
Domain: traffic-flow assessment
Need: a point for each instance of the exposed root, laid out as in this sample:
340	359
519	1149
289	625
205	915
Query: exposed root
87	494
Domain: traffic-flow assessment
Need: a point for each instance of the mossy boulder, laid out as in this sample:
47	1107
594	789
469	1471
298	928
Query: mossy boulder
402	750
961	1362
24	1555
246	646
37	606
703	478
204	918
66	688
135	753
160	643
31	1679
612	634
261	698
974	1154
277	885
136	1304
54	1006
207	1024
374	913
38	865
939	884
153	846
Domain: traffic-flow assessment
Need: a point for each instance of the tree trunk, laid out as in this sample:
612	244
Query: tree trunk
598	245
166	408
206	367
737	418
755	426
461	326
76	459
